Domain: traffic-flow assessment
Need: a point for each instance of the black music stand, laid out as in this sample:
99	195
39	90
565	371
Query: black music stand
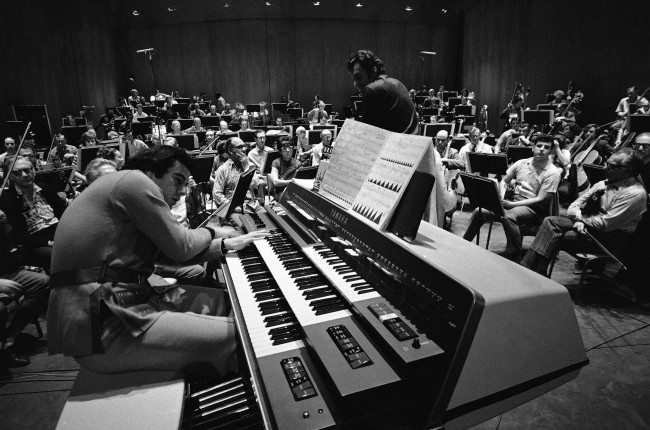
313	137
203	168
405	221
453	102
151	118
150	110
447	94
234	126
123	110
457	143
463	110
73	133
267	161
210	121
430	111
485	164
56	179
516	153
550	98
295	113
200	135
279	107
432	129
159	103
328	108
225	136
141	128
247	136
483	193
226	118
546	106
639	123
181	109
253	108
306	172
86	154
238	196
185	141
538	117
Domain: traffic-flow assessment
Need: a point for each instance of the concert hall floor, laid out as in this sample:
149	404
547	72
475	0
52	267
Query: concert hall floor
612	392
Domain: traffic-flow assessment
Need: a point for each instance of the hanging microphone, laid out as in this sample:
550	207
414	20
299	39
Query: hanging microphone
427	53
144	51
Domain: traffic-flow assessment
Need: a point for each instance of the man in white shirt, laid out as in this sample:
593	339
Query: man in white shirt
474	145
256	155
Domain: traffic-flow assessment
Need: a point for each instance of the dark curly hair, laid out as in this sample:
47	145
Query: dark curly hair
368	61
106	152
158	160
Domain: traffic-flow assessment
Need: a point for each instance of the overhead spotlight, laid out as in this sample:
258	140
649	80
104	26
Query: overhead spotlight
316	3
171	9
359	5
135	13
268	3
226	4
443	11
408	8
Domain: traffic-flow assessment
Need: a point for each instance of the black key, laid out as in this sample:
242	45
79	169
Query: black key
353	277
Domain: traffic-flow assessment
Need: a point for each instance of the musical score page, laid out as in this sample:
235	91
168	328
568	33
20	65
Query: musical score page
389	177
356	150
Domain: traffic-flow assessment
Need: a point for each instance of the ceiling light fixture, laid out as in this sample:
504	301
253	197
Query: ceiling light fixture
359	5
171	9
268	3
443	11
135	13
316	3
408	8
226	4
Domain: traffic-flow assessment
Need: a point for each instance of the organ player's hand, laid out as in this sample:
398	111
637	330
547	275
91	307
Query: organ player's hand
240	242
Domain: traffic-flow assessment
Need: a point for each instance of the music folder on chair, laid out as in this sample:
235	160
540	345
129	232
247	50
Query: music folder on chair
238	197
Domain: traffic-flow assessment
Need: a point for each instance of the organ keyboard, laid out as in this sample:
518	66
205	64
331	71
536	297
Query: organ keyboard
344	326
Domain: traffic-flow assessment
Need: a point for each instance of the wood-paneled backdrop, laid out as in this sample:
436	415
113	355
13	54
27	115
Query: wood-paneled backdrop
603	46
261	59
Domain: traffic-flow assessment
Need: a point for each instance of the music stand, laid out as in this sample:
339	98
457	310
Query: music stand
234	127
453	102
538	117
267	161
358	106
238	196
225	136
86	154
151	118
210	121
226	118
419	100
485	164
463	110
279	107
328	108
430	111
247	135
516	153
185	141
203	168
458	142
73	133
159	103
253	108
123	110
639	123
150	110
306	172
432	129
183	100
57	179
313	136
181	109
447	94
141	128
546	106
295	113
595	173
483	193
201	136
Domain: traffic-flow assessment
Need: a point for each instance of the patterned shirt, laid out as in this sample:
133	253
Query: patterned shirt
225	182
38	213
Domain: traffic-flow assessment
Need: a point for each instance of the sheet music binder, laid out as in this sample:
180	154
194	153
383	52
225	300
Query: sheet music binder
487	163
238	196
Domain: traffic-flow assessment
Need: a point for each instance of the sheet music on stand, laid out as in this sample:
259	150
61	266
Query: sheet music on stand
370	169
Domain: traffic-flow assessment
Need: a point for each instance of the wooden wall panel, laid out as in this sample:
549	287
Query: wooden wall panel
546	44
58	53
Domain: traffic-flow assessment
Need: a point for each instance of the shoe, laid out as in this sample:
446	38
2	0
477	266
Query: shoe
12	359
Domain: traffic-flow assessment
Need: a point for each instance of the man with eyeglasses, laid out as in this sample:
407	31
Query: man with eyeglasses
610	210
227	175
256	155
474	145
31	211
285	167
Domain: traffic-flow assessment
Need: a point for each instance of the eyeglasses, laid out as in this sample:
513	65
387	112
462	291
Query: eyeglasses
19	172
613	166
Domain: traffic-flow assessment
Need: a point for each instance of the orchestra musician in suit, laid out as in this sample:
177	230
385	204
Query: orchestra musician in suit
103	311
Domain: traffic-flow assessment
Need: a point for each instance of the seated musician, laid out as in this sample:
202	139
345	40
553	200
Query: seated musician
514	109
256	155
536	181
519	137
610	210
135	98
167	113
285	167
28	151
132	146
643	107
448	155
97	168
32	212
196	126
111	154
139	113
244	125
315	115
431	101
623	112
474	145
62	154
102	310
558	98
126	125
571	132
212	111
219	160
302	141
322	150
501	144
10	149
16	282
196	111
89	138
227	175
223	128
